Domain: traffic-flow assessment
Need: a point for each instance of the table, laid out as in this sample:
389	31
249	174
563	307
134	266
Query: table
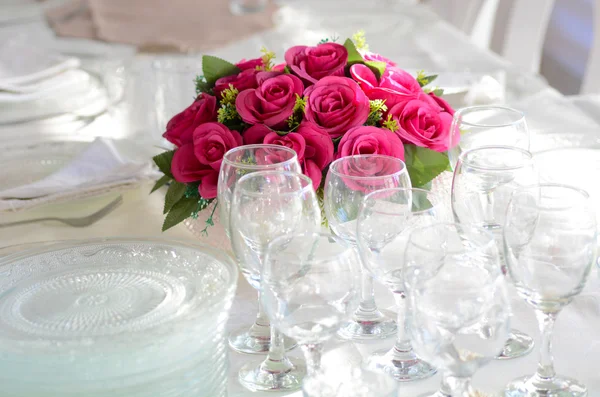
416	39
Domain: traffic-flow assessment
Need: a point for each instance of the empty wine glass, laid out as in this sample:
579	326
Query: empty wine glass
310	287
238	162
348	181
487	126
459	311
484	180
550	246
384	222
265	205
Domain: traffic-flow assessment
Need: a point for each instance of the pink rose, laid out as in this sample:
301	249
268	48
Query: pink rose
313	63
250	64
371	56
395	85
318	152
312	145
368	152
336	104
279	67
185	167
445	106
291	140
423	124
272	103
181	127
242	81
256	134
208	185
212	141
370	140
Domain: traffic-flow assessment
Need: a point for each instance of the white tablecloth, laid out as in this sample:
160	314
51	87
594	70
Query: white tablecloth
416	39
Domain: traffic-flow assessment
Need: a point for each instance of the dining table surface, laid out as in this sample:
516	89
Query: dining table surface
415	38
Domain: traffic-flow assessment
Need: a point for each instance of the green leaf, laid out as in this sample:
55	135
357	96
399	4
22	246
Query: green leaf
424	80
423	164
202	85
287	69
438	92
160	183
214	68
353	54
377	67
174	194
181	210
163	162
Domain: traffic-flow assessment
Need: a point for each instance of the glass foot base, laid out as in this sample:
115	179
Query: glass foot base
438	393
535	387
256	377
255	340
517	345
377	327
403	369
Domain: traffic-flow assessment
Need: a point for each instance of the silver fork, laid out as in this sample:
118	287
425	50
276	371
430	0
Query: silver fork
75	222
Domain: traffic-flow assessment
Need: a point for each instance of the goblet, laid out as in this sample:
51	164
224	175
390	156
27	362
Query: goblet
265	205
385	218
484	180
311	286
550	246
238	162
348	181
487	126
459	311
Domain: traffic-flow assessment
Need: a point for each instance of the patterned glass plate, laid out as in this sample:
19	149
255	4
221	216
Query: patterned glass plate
139	316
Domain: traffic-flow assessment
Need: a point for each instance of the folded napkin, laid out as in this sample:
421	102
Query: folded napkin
182	25
104	164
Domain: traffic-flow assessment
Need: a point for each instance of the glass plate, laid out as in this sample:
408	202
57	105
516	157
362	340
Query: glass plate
115	317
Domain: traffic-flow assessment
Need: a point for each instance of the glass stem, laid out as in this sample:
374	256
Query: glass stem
545	371
312	353
461	387
367	307
402	341
445	389
261	318
276	361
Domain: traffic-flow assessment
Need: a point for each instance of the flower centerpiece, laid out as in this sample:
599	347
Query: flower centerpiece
326	101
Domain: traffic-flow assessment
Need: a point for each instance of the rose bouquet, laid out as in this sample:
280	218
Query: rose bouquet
326	101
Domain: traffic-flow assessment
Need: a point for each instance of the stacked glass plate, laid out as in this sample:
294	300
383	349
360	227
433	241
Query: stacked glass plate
115	318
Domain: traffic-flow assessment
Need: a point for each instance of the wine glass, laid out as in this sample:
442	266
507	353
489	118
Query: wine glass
487	126
238	162
385	218
348	181
484	181
550	246
310	287
459	310
265	205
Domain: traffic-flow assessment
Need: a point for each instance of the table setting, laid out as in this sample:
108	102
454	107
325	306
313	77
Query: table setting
316	204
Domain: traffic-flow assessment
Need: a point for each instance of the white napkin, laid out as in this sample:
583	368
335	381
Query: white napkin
104	162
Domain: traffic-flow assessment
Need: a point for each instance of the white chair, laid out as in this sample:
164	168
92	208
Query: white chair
460	13
591	79
519	31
